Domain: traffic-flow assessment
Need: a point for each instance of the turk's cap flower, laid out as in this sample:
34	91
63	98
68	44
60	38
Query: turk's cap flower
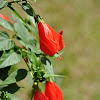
53	92
51	42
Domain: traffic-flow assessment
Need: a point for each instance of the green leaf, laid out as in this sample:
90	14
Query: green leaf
31	44
5	42
29	10
27	40
48	67
3	4
22	32
8	92
11	88
32	20
32	58
52	75
6	24
4	96
30	27
9	58
34	31
14	77
60	53
14	96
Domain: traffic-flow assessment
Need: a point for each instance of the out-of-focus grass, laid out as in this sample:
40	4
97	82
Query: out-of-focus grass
80	20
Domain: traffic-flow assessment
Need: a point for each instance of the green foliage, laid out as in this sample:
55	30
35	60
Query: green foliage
33	59
48	67
39	66
39	76
11	89
4	96
10	58
3	4
32	20
15	77
29	10
34	31
6	24
21	31
5	42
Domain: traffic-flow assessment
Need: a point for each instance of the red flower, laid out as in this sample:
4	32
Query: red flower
40	96
53	92
50	41
4	17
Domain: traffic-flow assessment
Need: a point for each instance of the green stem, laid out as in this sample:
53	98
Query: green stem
36	17
12	8
29	68
16	1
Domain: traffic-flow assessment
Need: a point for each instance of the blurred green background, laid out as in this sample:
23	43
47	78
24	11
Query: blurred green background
80	21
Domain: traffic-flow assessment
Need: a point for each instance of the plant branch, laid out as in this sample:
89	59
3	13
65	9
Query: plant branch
28	68
12	8
16	1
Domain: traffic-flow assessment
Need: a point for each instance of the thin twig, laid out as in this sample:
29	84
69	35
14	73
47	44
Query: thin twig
17	1
28	68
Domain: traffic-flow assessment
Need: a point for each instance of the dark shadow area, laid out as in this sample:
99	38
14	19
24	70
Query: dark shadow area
44	59
21	74
4	72
1	52
11	88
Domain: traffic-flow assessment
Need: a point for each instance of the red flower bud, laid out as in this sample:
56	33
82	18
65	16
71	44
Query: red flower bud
26	58
50	41
24	48
53	92
4	17
40	96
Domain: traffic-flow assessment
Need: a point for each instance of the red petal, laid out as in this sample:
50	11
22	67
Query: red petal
53	92
4	17
60	58
47	44
61	43
58	39
50	41
61	32
40	96
47	47
59	94
50	91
